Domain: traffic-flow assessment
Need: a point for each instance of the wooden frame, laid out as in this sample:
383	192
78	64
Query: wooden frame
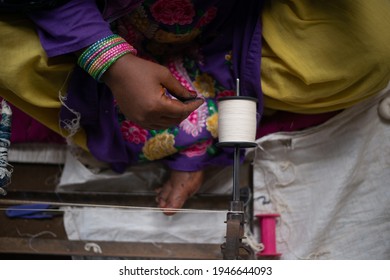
31	237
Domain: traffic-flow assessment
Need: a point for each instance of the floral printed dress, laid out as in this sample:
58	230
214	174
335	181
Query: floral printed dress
170	33
207	45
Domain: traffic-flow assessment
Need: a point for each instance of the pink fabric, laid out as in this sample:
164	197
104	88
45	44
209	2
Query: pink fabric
25	129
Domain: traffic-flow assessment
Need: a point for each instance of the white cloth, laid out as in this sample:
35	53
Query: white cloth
139	225
330	184
141	179
110	224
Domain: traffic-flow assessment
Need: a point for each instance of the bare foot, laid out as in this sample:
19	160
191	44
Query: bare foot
180	186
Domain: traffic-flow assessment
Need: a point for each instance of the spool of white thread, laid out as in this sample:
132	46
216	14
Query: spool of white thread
237	121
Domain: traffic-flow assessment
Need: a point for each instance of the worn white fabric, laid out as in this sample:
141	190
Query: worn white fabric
330	185
140	225
78	177
110	224
141	179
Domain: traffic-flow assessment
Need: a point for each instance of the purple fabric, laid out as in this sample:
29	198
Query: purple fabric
70	27
236	28
78	24
241	32
95	101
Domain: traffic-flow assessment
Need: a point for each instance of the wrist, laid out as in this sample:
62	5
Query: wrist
101	55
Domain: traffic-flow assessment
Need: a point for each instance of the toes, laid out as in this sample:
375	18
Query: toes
158	192
174	203
163	195
172	197
176	198
175	192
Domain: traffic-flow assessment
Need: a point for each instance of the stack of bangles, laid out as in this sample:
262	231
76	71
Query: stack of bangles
99	56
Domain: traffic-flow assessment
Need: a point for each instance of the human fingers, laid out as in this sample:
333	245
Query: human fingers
177	109
167	113
176	88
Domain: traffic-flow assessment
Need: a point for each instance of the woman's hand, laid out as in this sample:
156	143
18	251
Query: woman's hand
139	86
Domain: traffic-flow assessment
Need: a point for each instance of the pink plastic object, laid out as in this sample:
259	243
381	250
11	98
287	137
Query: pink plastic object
267	224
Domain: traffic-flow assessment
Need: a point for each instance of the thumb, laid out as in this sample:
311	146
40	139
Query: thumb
177	89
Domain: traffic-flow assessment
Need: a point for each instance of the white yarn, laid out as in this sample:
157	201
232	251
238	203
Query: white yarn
237	120
95	248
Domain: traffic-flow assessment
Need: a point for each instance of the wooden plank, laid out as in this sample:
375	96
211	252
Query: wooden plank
30	183
35	177
49	246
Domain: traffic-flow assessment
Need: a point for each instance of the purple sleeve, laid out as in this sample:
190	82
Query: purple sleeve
70	27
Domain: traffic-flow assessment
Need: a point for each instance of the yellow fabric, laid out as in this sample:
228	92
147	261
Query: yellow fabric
318	56
324	55
28	79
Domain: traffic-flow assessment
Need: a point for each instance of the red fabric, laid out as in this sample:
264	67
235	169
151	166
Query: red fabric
285	121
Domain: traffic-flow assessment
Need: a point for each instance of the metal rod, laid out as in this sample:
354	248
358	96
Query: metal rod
126	200
86	205
236	164
236	174
238	87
